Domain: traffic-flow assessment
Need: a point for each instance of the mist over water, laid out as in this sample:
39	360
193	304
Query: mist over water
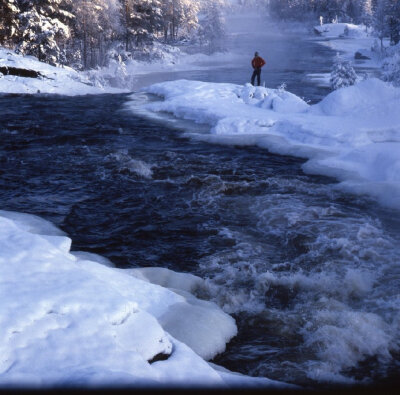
311	274
287	62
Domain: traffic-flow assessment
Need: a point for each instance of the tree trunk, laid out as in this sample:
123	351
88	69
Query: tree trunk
85	51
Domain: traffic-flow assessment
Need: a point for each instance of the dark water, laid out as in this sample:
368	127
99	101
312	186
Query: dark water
311	275
273	242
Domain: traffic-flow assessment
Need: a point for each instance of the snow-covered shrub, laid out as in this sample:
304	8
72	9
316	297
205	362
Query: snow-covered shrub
391	68
282	87
93	78
343	74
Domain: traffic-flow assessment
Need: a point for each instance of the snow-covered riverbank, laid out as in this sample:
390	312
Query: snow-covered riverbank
117	77
353	134
348	39
353	43
67	318
54	80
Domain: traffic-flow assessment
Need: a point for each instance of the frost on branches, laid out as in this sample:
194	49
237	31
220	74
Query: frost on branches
44	29
9	22
342	74
212	26
82	33
391	67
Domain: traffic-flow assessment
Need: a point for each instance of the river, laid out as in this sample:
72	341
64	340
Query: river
310	274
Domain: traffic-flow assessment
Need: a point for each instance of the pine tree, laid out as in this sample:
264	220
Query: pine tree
380	20
391	69
92	24
394	21
44	28
179	15
343	74
212	26
367	13
141	20
9	23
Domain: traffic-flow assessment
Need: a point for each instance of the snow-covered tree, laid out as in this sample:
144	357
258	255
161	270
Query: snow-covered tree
381	20
140	20
9	21
44	28
394	21
93	27
343	74
391	68
84	32
367	13
179	16
212	26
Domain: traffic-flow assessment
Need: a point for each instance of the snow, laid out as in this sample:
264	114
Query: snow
335	30
136	74
348	39
67	319
352	134
56	80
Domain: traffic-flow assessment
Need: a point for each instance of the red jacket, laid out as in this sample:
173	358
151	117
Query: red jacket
258	62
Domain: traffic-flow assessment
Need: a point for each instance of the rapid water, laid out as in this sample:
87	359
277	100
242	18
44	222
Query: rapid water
311	275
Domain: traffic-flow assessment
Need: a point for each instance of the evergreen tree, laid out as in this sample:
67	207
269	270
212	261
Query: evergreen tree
212	26
394	21
92	25
342	74
9	22
44	28
179	15
367	13
391	69
381	20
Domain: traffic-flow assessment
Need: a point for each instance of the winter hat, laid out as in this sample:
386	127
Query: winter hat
256	54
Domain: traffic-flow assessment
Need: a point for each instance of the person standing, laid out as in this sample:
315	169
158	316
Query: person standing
258	62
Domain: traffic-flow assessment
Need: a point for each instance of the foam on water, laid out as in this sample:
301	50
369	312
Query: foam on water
128	164
333	290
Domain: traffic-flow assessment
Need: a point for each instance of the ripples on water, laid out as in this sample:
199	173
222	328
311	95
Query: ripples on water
311	275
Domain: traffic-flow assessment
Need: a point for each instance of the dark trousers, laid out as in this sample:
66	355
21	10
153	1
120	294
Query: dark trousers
256	73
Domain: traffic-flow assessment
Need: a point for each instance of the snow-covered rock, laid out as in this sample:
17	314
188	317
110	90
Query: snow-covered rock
66	319
353	134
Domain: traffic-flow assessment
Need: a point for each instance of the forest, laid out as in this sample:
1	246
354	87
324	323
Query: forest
87	33
83	33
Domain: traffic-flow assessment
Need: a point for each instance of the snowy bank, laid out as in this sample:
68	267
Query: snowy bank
349	40
67	319
353	134
56	80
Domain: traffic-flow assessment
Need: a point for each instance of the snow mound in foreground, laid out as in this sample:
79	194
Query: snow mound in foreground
68	320
353	134
55	80
371	97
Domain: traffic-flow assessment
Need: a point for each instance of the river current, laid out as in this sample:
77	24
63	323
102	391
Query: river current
311	274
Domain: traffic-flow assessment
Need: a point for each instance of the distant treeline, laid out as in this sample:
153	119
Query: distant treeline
382	15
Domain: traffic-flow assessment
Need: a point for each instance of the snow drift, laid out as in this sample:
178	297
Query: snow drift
69	320
57	80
